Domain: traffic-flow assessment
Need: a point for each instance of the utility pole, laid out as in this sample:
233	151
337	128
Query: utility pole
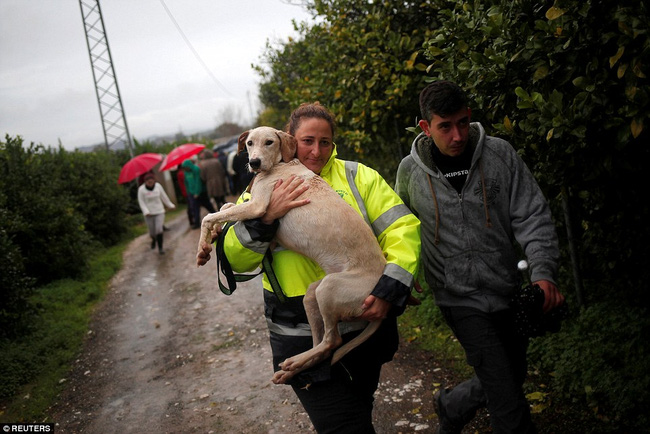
111	110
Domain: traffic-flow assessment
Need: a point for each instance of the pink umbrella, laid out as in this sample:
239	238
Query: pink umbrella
138	165
180	154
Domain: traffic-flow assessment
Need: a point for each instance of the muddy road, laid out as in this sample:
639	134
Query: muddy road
167	352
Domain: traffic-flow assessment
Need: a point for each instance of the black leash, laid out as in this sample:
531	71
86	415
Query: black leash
224	267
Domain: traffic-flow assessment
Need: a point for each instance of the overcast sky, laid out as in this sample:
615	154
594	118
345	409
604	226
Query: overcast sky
47	91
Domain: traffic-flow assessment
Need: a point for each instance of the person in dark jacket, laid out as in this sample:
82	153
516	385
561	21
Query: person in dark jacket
196	193
213	175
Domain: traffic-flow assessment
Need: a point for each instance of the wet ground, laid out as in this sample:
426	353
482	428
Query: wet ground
167	352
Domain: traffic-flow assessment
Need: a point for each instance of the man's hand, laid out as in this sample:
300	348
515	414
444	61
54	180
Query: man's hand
375	309
552	296
283	198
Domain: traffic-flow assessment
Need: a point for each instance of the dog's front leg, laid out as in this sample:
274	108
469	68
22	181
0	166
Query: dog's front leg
243	211
312	310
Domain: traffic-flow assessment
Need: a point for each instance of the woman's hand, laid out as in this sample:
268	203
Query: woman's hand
374	309
283	198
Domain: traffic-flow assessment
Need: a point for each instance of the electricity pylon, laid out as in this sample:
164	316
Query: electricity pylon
108	93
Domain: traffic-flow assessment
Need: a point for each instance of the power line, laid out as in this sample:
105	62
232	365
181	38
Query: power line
196	54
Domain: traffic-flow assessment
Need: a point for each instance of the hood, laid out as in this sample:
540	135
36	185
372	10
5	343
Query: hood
421	149
422	154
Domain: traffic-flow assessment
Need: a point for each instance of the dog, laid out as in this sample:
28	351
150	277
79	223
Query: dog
327	230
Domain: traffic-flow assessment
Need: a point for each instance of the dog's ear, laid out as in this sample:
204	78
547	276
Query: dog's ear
242	141
288	146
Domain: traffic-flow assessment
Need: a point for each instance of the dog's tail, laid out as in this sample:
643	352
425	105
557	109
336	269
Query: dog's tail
361	338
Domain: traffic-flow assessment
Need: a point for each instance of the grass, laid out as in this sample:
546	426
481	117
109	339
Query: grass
32	367
425	326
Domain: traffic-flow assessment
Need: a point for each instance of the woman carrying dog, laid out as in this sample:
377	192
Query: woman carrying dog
338	398
153	200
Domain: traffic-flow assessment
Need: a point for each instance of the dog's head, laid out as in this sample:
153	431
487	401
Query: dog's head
267	147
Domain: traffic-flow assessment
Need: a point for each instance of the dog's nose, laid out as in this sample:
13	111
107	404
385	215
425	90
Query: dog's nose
255	163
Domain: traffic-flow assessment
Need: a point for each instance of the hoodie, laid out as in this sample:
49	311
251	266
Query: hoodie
472	240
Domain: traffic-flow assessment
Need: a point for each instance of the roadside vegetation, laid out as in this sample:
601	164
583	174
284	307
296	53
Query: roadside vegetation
566	83
64	224
34	365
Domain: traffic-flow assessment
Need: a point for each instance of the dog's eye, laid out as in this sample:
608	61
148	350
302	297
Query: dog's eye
249	143
269	142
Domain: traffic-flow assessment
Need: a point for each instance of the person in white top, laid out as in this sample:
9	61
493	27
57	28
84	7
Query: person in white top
153	200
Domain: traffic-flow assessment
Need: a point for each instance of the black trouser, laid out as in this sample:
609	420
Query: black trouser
196	203
342	404
498	357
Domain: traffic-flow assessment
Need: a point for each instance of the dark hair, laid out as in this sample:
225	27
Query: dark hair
441	98
309	110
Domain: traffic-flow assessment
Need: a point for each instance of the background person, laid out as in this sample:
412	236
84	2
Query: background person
476	197
180	176
196	193
214	176
153	200
339	398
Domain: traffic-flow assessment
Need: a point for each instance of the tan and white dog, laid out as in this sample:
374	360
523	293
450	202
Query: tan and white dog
327	230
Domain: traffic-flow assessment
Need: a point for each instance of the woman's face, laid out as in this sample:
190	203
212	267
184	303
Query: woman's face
150	182
315	143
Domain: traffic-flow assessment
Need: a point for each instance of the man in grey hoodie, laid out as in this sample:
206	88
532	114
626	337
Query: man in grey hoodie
475	198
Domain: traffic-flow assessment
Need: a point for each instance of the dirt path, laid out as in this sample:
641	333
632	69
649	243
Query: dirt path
167	352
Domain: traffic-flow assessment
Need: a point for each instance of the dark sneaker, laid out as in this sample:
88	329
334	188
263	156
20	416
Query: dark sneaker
445	426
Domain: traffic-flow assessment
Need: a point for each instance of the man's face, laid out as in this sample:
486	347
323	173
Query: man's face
449	133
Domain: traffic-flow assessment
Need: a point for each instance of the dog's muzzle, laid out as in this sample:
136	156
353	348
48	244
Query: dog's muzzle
255	163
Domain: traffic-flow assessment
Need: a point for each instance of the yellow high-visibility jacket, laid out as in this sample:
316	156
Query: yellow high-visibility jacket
397	231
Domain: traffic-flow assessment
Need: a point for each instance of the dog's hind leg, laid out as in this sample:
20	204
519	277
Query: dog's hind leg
338	296
321	296
307	359
346	296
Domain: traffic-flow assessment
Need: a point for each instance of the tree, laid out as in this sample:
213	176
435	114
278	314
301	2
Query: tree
359	59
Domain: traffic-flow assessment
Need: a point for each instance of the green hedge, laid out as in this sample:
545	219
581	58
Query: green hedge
55	207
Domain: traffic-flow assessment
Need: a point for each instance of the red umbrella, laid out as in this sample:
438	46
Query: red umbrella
180	154
138	165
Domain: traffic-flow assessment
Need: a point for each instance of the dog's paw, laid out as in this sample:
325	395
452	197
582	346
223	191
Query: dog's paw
288	364
281	377
226	205
203	254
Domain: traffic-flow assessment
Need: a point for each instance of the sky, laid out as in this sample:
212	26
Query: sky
167	85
